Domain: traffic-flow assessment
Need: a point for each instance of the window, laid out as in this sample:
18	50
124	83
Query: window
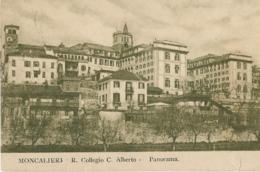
177	69
27	63
244	77
52	75
83	68
116	84
13	72
167	82
43	75
52	65
101	61
28	74
167	68
43	64
141	99
36	64
13	63
177	83
95	61
177	57
111	63
128	97
128	86
244	65
116	97
35	74
238	76
141	85
239	65
167	55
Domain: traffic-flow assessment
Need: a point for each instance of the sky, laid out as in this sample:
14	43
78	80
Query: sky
205	26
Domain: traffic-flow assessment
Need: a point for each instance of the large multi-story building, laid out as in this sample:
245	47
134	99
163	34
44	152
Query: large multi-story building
256	82
230	74
163	63
122	90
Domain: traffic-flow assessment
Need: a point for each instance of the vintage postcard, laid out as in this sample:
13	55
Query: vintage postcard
130	85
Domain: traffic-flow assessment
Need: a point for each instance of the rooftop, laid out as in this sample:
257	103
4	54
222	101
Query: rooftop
11	25
30	50
167	42
123	75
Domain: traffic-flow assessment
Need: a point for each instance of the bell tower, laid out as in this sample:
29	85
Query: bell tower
11	35
122	39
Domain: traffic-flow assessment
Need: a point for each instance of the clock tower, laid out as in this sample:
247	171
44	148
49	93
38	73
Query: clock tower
11	35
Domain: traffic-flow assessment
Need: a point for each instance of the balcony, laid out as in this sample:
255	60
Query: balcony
71	69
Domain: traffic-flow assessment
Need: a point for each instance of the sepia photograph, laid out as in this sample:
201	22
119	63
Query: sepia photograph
114	76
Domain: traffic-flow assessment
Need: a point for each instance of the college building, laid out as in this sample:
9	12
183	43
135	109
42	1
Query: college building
227	76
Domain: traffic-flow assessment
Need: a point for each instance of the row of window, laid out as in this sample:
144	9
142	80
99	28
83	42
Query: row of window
167	56
217	74
143	56
168	68
168	83
239	65
216	80
244	76
128	97
34	64
116	84
210	69
36	74
215	66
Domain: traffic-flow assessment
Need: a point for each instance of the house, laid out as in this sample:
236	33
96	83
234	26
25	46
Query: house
122	90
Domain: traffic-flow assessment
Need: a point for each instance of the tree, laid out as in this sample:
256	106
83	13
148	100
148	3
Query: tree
254	120
107	132
36	125
16	124
210	127
79	127
170	122
195	124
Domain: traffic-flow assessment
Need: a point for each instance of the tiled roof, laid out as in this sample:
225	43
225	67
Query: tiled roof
34	91
123	75
30	50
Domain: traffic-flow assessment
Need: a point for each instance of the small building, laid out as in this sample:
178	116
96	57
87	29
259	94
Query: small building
122	90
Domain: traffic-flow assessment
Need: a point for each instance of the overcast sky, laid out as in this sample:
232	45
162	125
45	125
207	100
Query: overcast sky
206	26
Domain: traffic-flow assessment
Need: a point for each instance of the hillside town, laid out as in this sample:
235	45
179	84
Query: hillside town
91	94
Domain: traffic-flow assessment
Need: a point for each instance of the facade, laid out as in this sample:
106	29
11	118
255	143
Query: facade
30	65
122	90
163	63
256	82
226	76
